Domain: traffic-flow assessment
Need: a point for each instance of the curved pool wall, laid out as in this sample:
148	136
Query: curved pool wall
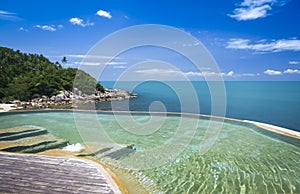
244	159
264	131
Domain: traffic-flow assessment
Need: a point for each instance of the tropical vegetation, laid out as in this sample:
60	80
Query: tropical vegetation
27	76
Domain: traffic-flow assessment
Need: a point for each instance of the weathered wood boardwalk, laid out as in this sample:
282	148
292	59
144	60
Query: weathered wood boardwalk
24	173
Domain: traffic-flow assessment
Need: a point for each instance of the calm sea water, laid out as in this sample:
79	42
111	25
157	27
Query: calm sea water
276	103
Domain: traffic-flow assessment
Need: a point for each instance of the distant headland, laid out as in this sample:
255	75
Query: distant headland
33	81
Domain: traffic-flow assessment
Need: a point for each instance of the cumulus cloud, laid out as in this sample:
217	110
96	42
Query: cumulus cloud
287	71
80	22
272	72
23	29
250	13
230	73
103	13
46	27
254	9
292	71
263	46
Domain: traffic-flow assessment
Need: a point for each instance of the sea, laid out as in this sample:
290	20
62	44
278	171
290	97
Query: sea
276	103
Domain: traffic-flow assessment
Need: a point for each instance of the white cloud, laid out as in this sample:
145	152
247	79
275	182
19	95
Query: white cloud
117	63
247	75
256	2
254	9
272	72
292	71
23	29
91	56
46	27
114	64
173	72
250	13
80	22
86	63
263	46
5	12
294	62
5	15
119	67
103	13
287	71
156	71
230	73
76	21
76	56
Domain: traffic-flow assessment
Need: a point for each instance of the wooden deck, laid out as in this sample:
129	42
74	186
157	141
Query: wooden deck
25	173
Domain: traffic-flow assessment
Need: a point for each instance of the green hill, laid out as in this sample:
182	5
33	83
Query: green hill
26	76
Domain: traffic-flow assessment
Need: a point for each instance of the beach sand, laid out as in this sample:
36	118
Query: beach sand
6	107
276	129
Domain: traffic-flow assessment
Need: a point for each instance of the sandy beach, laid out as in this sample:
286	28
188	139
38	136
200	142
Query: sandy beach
6	107
276	129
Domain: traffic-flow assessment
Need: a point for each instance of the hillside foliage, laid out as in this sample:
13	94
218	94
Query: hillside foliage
27	76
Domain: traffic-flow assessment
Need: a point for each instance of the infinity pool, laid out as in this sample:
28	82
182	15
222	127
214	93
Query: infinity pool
180	155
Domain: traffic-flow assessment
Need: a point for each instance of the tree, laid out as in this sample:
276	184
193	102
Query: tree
25	76
64	60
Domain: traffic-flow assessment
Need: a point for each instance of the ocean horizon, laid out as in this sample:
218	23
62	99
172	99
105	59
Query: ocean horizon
276	103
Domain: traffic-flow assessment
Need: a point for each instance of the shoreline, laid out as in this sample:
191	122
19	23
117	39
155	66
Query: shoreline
6	107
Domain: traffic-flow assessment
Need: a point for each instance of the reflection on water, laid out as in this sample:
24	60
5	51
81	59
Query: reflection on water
241	161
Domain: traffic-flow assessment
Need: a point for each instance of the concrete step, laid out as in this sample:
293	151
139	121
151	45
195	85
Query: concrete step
28	139
18	133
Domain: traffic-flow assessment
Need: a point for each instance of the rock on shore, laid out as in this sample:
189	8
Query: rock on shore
70	98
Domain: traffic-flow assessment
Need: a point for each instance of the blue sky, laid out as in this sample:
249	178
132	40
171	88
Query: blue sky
249	39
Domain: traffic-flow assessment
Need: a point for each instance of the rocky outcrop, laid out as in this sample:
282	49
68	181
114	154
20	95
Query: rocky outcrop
75	97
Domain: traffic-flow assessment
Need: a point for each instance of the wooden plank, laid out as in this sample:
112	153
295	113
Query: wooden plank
23	173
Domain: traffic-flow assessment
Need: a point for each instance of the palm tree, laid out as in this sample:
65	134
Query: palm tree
64	60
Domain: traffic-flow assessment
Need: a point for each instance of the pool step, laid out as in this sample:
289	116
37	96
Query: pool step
115	152
28	139
15	135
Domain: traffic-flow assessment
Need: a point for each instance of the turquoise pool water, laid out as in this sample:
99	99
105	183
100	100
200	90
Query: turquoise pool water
241	160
